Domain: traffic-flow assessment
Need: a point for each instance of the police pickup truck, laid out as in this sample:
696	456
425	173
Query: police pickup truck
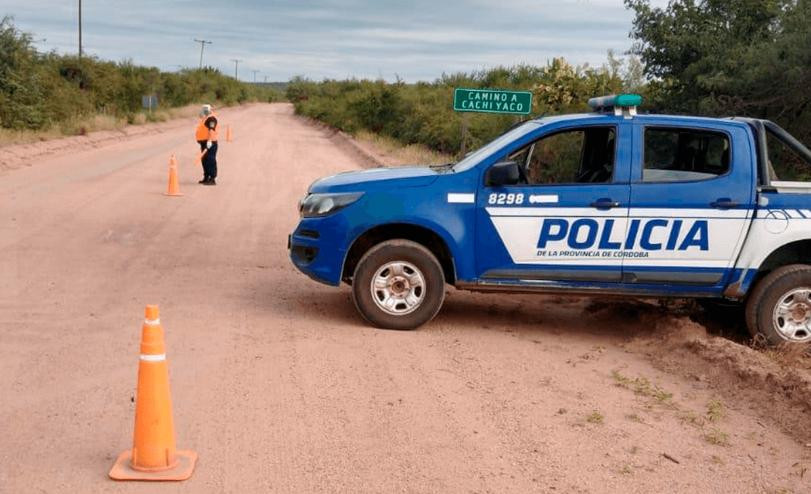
610	202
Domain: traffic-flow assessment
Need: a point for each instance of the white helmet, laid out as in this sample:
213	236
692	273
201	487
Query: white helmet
205	110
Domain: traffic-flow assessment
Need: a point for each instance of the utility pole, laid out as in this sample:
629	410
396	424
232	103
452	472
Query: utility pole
80	29
203	43
236	67
254	75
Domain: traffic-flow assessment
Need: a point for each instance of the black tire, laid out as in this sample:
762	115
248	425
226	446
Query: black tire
765	296
412	255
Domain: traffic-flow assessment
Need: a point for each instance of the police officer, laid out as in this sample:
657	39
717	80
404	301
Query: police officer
206	136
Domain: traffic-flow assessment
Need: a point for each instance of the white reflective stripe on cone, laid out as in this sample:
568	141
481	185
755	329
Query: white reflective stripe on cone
153	358
152	322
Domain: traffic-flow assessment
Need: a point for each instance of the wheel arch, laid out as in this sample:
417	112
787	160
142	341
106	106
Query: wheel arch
424	236
795	252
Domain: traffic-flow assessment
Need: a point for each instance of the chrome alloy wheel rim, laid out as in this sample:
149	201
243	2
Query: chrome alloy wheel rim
792	315
398	288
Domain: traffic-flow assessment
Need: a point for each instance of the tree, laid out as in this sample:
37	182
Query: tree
719	57
20	91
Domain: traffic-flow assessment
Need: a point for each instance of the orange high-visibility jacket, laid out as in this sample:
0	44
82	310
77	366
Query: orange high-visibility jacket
204	133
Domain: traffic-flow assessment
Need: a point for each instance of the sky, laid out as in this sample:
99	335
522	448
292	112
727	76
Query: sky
413	40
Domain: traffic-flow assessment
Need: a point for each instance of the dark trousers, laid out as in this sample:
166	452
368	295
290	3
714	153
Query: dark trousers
209	159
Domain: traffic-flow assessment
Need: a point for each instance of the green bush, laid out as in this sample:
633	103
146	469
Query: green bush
41	90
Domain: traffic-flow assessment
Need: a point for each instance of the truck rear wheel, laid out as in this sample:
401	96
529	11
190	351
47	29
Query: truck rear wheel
779	308
398	284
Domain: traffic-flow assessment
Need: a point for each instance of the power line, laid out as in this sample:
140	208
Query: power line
236	67
254	74
203	43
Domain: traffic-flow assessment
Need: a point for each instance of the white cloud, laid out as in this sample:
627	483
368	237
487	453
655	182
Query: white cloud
419	39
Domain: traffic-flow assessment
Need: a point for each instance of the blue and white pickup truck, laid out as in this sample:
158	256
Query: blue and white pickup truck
610	202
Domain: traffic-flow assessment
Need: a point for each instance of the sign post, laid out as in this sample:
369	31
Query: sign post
489	101
149	102
465	119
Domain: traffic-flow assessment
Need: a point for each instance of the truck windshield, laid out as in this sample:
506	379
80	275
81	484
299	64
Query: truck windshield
475	157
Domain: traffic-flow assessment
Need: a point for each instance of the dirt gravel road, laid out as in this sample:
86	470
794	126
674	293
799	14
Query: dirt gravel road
280	387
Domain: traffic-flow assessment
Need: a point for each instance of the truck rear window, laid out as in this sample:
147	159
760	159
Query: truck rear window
678	155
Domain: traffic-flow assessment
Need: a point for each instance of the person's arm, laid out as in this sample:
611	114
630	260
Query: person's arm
211	125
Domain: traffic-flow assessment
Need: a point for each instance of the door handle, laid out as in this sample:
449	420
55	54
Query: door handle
605	203
724	203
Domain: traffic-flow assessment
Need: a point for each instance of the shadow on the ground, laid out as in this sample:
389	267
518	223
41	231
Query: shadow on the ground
613	317
724	320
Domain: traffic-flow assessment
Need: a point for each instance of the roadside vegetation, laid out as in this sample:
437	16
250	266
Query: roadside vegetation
393	153
707	57
48	94
422	113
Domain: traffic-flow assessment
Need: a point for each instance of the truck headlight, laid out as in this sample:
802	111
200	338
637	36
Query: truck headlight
315	205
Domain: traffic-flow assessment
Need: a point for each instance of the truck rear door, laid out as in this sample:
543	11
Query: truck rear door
692	197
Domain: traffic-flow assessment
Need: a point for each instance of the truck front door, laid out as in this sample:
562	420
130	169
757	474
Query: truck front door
566	219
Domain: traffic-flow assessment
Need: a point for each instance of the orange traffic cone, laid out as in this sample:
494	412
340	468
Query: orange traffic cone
228	136
153	455
174	186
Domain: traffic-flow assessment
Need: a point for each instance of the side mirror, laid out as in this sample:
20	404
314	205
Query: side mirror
502	173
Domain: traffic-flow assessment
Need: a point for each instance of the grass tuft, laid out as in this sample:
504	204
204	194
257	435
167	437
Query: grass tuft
717	437
642	387
715	410
595	417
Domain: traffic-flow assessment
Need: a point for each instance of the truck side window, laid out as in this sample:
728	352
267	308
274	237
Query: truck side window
678	155
584	155
784	162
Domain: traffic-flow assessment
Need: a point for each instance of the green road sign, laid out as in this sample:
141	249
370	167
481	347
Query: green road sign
492	101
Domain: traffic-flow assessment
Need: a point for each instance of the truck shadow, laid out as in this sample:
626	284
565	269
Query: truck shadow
610	318
727	321
607	319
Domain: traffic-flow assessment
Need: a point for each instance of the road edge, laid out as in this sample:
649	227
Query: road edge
346	143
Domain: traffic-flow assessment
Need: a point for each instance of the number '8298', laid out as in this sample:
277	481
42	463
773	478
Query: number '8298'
503	198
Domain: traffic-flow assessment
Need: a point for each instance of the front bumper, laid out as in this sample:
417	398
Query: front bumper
318	248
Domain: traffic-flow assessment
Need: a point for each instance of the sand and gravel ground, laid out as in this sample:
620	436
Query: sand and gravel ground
279	385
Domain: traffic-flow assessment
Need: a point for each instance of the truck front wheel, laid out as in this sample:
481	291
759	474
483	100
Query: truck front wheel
779	307
398	284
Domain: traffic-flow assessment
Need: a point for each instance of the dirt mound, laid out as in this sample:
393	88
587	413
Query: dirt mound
775	383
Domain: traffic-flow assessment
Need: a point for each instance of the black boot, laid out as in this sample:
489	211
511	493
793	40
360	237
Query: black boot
211	181
205	179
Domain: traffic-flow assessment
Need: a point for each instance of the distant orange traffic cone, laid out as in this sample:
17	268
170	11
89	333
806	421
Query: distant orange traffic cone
174	186
228	135
153	455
